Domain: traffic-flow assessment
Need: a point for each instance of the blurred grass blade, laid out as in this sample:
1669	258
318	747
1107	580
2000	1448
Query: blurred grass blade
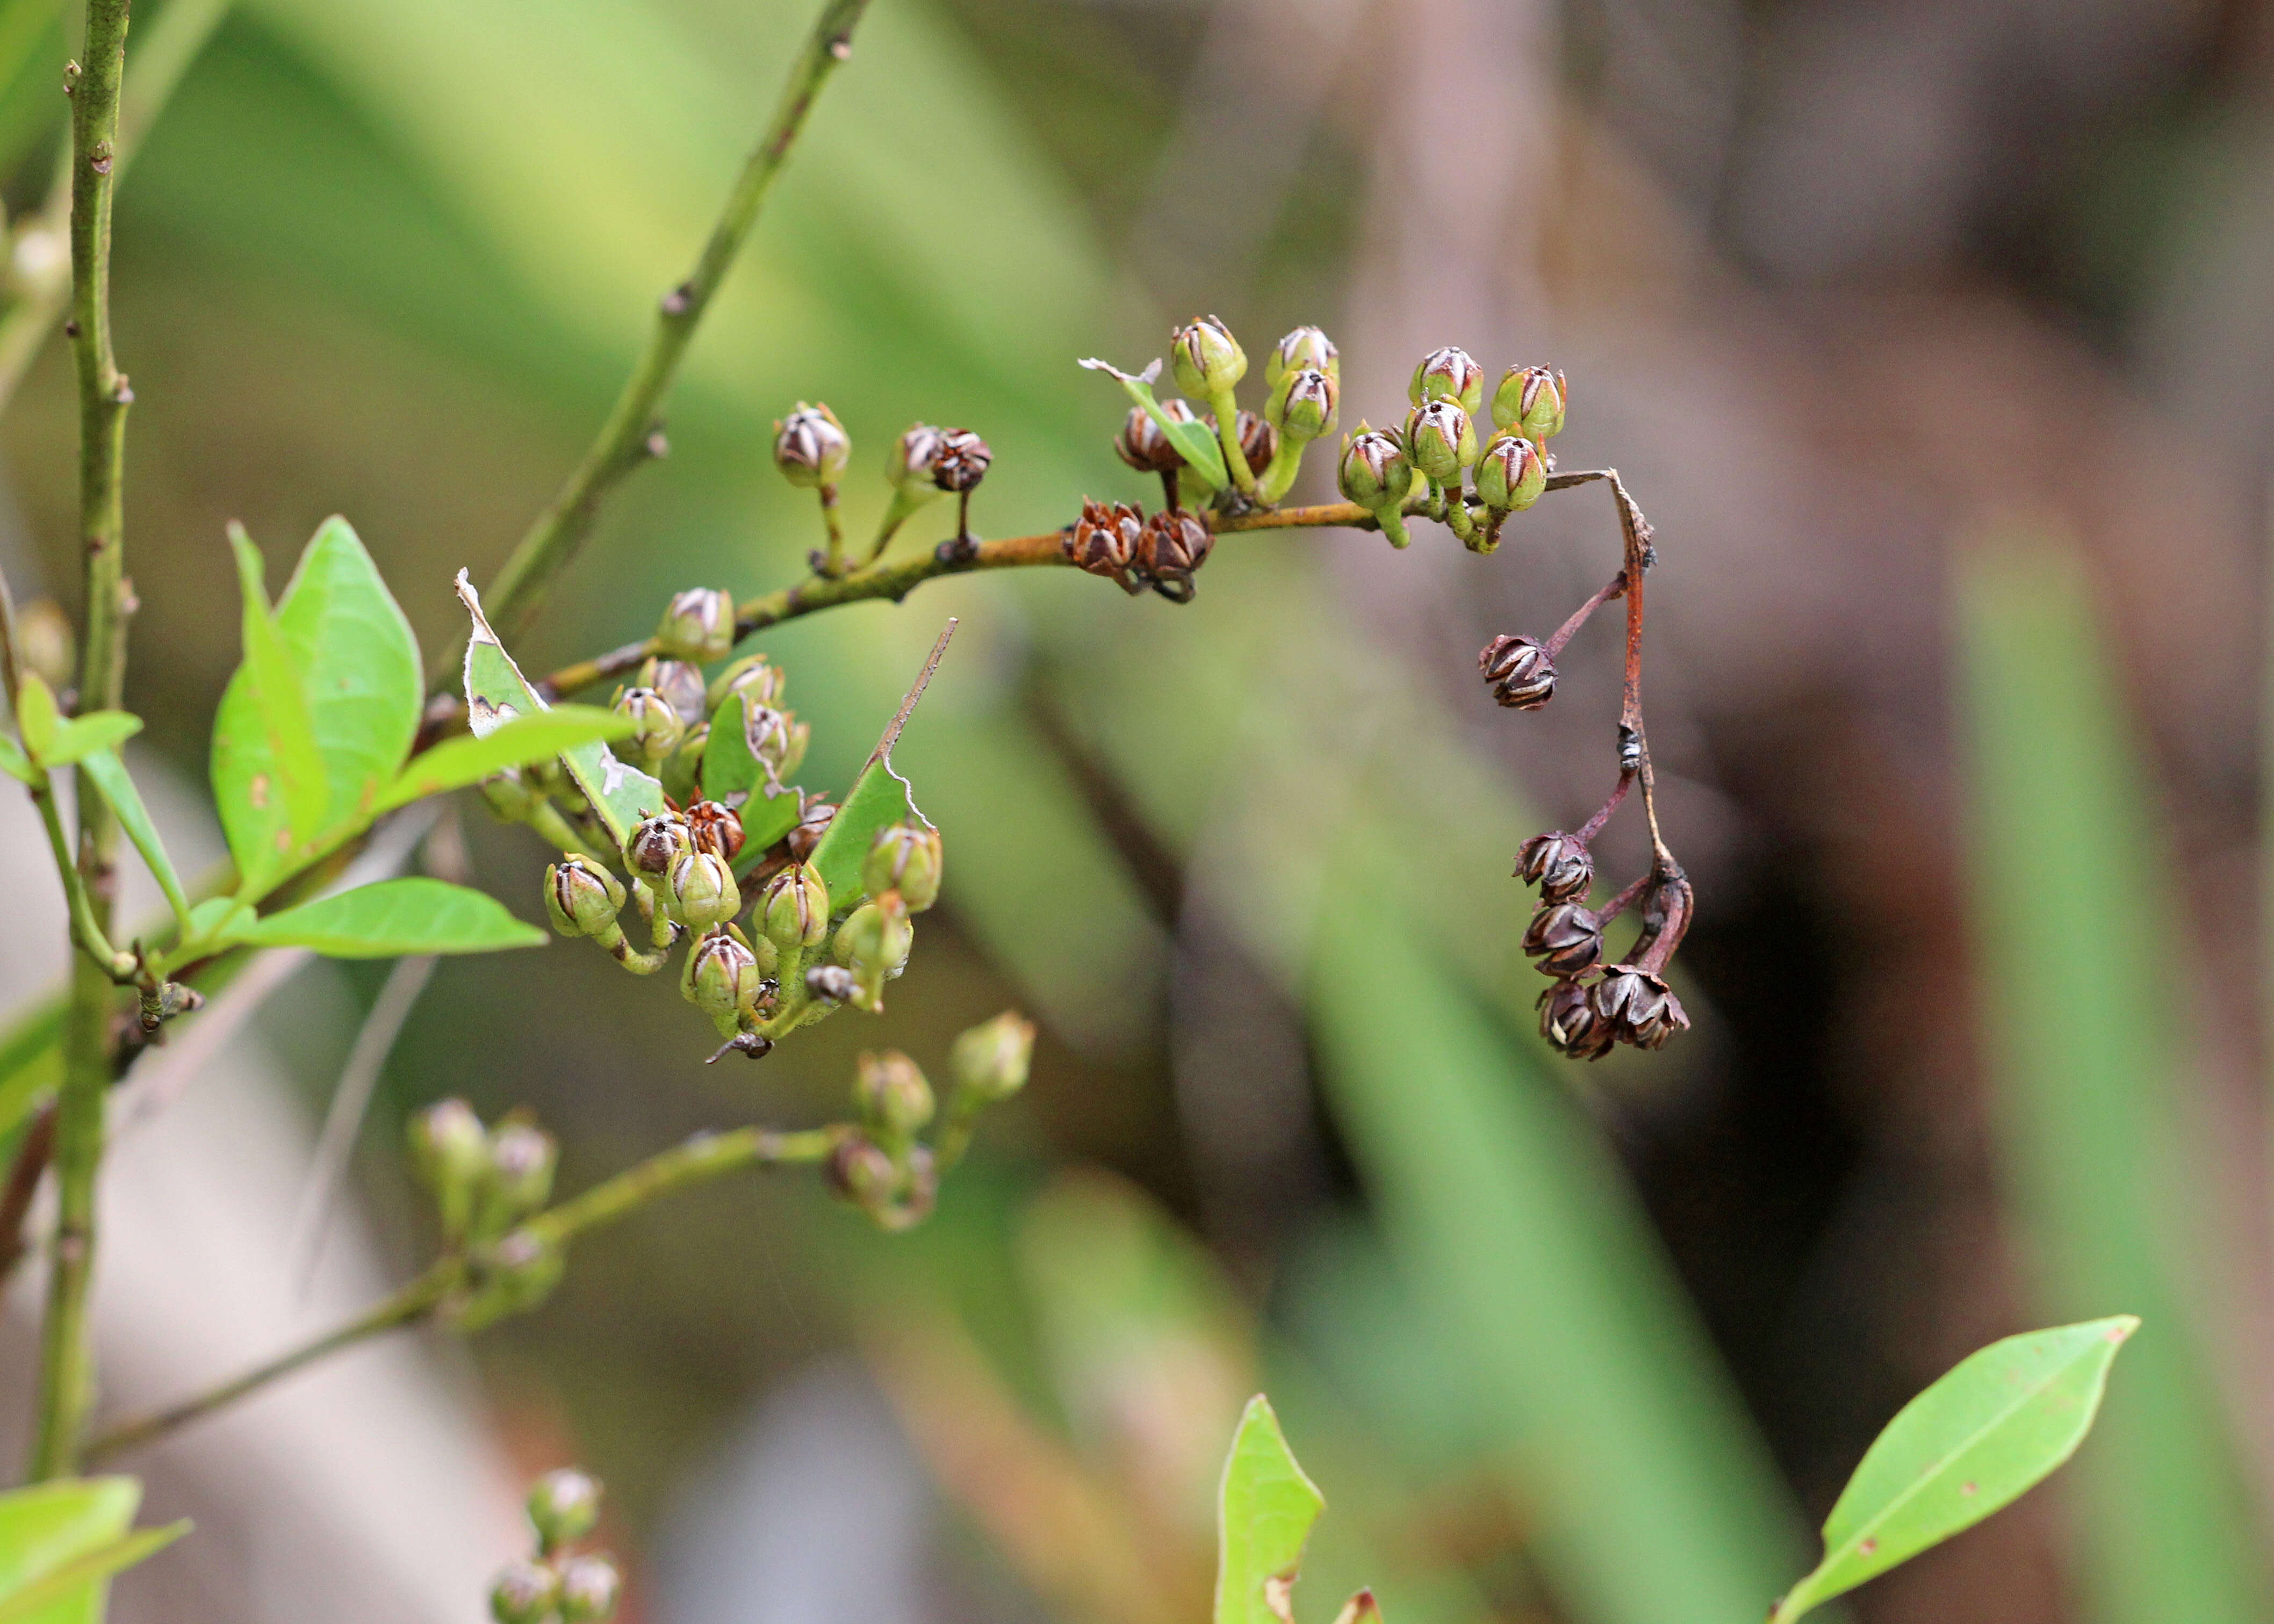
1516	1230
2071	889
1989	1430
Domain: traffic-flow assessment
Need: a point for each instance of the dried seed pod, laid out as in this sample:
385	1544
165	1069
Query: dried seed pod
813	822
1530	401
1306	346
1104	540
655	842
830	983
1558	863
1440	441
1638	1007
1206	357
699	625
1448	374
1518	672
1259	441
915	454
716	829
961	462
1145	445
811	446
1567	1020
1566	938
580	898
1511	475
1171	546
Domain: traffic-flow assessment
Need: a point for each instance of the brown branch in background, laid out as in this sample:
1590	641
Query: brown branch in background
32	1157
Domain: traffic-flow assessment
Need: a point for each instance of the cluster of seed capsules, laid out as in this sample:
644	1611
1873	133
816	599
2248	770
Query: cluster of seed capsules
484	1182
1593	1006
556	1584
811	448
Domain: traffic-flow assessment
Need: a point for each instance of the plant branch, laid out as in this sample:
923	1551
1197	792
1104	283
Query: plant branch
624	440
66	1389
703	1157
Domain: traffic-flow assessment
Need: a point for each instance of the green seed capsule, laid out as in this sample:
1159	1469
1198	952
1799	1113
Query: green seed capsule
905	858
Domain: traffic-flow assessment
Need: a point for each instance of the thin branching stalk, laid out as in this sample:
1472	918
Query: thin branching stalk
631	435
66	1388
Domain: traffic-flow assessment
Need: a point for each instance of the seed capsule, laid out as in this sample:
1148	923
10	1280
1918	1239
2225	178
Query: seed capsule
1557	864
681	683
830	983
655	842
1565	937
1374	472
1569	1022
1639	1007
1259	441
905	858
813	822
721	978
1440	440
450	1152
811	446
1104	540
715	829
892	1096
1448	374
1530	401
702	892
776	737
1304	348
1145	445
1304	405
589	1586
525	1593
794	908
699	625
522	1158
909	466
1511	474
657	727
989	1061
863	1173
1518	672
563	1506
961	462
1206	357
1170	548
580	898
751	676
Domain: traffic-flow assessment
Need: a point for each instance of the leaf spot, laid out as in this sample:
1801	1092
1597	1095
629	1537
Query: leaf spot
257	791
1869	1546
1969	1487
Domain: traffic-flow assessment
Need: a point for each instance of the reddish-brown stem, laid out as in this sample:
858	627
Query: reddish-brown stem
1565	632
1594	825
32	1157
1619	904
1667	919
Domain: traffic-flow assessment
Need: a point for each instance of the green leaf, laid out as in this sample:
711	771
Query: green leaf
267	771
15	763
880	796
49	1527
456	763
108	775
732	773
98	730
497	693
36	716
1993	1427
72	1591
393	918
1193	442
1264	1512
359	670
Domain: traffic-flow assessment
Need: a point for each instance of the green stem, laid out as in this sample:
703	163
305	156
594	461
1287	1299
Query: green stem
86	929
832	563
1227	433
622	445
66	1388
704	1157
1279	476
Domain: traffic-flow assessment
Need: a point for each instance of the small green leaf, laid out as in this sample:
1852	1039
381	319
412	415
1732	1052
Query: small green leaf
108	775
267	771
1265	1510
73	1591
15	763
1994	1427
732	774
880	796
393	918
98	730
47	1528
456	763
1193	442
36	716
496	693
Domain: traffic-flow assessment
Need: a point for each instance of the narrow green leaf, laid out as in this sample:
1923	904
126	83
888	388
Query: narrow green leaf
732	774
1264	1512
98	730
456	763
1193	442
267	771
36	716
393	918
108	775
1990	1429
49	1526
497	693
15	763
879	796
72	1590
31	1063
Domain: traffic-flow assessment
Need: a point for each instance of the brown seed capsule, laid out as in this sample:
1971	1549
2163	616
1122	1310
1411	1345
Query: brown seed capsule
1518	672
1144	447
1565	937
812	823
1556	862
1104	541
830	983
715	829
1567	1020
961	462
1171	546
682	685
1638	1007
1259	441
655	841
861	1172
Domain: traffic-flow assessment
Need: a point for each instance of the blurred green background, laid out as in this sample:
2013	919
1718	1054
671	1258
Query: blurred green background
1932	337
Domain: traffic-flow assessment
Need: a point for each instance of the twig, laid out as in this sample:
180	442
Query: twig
31	1163
66	1388
703	1157
623	442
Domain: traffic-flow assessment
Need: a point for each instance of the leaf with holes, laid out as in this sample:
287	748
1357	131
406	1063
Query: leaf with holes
732	774
522	742
1995	1425
1193	442
1264	1512
391	919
